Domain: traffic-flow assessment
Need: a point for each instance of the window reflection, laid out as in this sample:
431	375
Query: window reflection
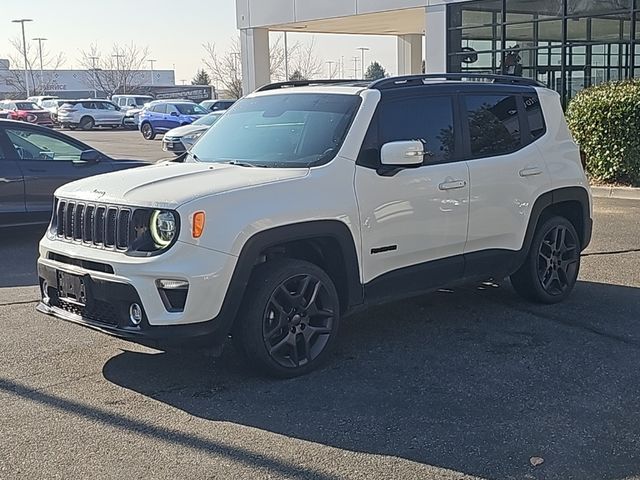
566	44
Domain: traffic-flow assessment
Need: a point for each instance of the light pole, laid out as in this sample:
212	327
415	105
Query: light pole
362	50
22	21
93	77
331	72
40	40
151	62
355	67
286	58
118	56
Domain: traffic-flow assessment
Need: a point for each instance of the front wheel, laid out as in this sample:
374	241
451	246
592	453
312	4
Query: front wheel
290	318
551	269
147	131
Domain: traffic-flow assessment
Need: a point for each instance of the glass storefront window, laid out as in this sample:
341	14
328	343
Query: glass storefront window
567	44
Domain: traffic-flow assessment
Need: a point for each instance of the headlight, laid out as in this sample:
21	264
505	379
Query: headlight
163	227
193	137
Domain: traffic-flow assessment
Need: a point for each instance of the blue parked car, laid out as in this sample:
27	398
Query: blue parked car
163	115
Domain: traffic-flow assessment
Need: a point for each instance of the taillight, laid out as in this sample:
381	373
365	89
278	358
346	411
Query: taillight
583	159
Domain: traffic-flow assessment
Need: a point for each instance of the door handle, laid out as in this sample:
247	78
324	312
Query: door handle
452	185
530	172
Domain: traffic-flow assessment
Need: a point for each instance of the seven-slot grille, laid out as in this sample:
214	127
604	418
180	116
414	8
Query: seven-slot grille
102	226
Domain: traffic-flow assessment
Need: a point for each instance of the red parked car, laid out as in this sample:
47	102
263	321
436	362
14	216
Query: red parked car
26	111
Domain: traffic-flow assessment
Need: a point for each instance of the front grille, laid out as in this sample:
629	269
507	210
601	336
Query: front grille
99	311
101	226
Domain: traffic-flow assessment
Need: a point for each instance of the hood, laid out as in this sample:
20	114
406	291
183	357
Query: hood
169	185
186	130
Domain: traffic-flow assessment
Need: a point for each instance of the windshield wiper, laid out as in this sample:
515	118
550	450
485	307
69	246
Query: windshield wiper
241	164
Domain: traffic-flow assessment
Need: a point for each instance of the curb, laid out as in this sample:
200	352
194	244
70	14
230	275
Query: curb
625	193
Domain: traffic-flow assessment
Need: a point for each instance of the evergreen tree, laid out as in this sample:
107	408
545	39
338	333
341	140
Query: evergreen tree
375	71
201	78
297	75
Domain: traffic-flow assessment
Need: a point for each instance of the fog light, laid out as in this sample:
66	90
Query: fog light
135	314
172	284
45	292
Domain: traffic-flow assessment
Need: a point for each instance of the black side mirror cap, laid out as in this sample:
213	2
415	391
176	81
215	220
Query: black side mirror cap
90	156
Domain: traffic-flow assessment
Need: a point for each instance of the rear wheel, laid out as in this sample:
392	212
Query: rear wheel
147	131
290	320
551	269
87	123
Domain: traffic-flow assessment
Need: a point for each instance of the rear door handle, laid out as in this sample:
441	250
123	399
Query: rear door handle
530	172
452	185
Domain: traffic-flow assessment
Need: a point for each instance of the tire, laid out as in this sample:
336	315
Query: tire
87	123
550	271
289	319
147	131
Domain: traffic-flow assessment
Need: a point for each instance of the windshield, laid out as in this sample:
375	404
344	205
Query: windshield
294	130
140	101
190	109
27	106
208	119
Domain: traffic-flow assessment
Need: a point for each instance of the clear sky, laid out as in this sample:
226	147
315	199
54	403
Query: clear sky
174	31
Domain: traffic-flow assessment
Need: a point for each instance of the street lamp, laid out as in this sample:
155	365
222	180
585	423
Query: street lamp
118	56
151	62
93	77
40	40
362	50
22	21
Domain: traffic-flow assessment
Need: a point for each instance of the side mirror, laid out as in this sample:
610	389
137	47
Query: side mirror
90	156
174	114
403	154
132	105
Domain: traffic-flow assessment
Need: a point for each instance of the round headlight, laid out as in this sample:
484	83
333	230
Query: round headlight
163	227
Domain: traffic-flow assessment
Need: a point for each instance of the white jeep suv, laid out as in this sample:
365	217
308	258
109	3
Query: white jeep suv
310	200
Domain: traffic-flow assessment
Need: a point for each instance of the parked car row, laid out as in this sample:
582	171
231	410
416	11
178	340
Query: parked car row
121	111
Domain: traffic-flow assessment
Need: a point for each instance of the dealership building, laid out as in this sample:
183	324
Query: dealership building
566	44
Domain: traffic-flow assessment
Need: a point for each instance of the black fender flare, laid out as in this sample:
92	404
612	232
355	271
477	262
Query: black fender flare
555	197
259	242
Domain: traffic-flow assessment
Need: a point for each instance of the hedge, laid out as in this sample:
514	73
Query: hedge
605	121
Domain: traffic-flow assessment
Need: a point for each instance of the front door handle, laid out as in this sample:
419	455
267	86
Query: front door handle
530	172
452	185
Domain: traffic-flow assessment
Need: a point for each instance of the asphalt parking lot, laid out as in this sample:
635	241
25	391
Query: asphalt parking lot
122	144
457	384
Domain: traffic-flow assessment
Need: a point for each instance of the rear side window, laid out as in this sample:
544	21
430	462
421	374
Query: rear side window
428	119
494	124
535	116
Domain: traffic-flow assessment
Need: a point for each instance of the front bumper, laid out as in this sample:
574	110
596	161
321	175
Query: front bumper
174	145
111	292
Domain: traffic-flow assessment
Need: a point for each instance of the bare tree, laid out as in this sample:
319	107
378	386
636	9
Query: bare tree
226	68
38	83
305	60
116	71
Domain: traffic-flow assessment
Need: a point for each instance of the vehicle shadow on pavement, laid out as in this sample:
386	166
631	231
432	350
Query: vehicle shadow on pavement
19	248
473	380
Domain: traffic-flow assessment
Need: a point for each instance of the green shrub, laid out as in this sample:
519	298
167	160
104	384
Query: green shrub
605	121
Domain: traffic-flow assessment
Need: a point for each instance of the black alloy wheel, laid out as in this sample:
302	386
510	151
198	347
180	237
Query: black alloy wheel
558	257
551	268
298	321
289	319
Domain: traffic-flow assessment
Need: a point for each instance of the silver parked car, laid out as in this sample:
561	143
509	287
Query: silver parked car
181	139
52	106
131	105
89	113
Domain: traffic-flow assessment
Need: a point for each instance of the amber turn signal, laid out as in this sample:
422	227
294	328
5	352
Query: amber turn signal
197	224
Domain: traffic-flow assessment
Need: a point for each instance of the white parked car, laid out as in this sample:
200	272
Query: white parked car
181	139
86	114
304	204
